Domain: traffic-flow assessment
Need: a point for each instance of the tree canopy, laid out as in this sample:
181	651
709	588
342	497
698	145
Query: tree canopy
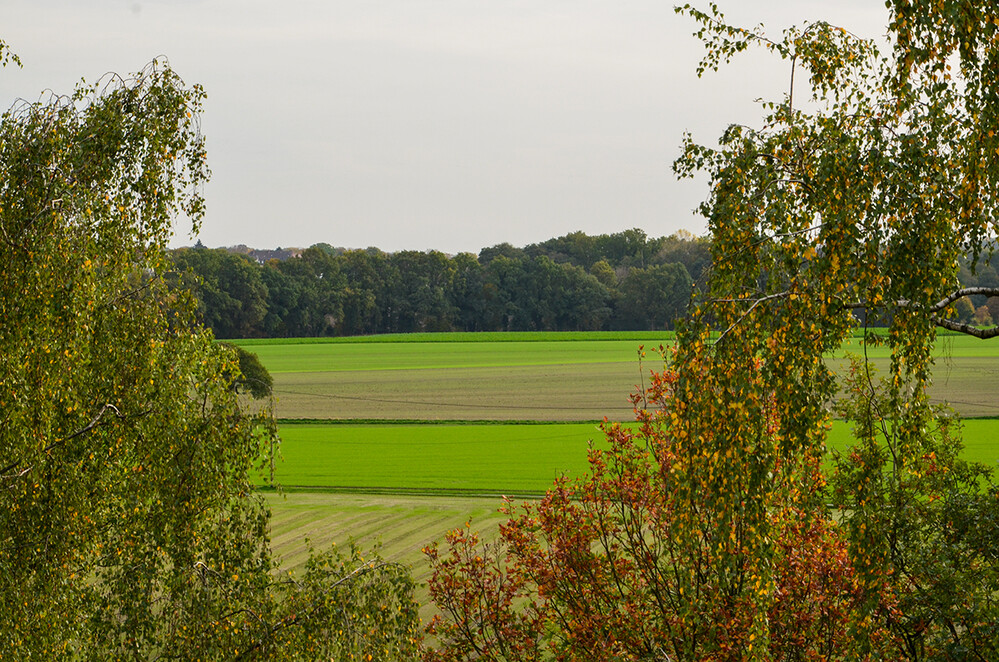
721	529
129	526
578	282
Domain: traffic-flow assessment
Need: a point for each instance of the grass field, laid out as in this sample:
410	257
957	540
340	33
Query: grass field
338	357
468	336
402	525
363	353
507	378
407	484
980	436
379	464
539	379
479	459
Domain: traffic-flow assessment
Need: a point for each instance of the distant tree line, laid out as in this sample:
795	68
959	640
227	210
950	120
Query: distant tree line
620	281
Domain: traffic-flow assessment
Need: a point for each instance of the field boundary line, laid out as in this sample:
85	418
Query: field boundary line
467	337
405	491
424	421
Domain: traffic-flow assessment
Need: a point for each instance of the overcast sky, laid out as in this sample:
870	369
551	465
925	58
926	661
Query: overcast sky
419	124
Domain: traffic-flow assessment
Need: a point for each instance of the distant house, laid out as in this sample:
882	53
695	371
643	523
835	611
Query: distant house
262	256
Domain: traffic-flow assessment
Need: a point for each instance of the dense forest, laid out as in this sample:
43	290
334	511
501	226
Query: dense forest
620	281
625	280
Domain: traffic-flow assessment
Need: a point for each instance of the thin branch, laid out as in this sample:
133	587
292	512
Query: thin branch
774	237
790	93
20	474
960	327
59	442
127	294
983	334
757	302
964	292
951	325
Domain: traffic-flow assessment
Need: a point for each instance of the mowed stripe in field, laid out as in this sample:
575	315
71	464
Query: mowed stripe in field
572	392
542	380
403	526
549	393
968	384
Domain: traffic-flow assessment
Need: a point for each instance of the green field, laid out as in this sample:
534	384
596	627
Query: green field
479	459
466	397
980	435
496	380
403	525
340	357
433	459
467	336
507	377
406	485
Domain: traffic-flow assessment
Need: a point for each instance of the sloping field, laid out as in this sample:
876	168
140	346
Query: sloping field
407	484
403	526
476	380
554	392
541	379
430	459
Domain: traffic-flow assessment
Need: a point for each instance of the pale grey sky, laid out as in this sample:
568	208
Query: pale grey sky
418	124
